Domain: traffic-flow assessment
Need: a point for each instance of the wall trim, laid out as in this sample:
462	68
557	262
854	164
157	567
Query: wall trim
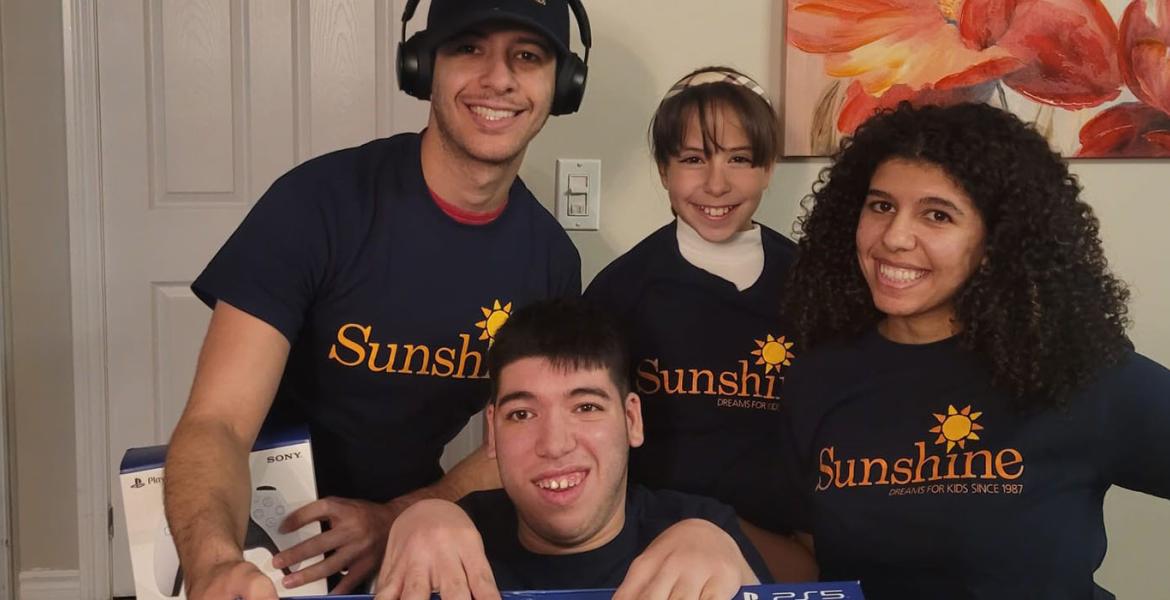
44	584
83	151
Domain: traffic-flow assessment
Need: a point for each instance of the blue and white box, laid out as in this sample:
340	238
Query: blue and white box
833	590
281	464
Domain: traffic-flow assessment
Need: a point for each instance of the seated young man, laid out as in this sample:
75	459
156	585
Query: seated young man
561	423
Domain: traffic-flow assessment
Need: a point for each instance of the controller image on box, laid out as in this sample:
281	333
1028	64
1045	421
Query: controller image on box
268	510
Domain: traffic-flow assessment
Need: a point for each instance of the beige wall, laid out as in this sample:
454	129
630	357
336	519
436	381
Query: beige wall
38	244
632	64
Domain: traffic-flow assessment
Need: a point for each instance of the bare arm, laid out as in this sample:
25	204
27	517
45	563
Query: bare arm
207	490
358	530
692	559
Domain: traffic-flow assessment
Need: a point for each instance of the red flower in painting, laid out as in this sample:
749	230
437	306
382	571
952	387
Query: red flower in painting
1145	53
1058	52
1129	129
1137	128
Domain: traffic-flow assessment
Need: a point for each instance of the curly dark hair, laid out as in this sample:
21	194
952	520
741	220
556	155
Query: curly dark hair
1043	311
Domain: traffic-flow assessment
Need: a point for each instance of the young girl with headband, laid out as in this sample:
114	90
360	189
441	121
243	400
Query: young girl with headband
700	301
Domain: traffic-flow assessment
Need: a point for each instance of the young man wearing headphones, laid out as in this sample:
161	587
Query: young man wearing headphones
361	295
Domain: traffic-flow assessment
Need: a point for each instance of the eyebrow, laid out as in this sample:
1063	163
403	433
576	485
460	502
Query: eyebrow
519	395
590	391
928	200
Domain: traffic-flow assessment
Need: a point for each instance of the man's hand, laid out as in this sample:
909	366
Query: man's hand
692	559
434	547
232	579
356	537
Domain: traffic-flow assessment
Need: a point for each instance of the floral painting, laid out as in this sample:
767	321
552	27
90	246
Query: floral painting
1093	75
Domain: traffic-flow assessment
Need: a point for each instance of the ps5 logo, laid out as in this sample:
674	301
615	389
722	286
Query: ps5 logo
808	595
139	483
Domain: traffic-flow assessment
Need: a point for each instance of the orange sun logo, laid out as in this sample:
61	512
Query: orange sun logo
956	427
494	317
773	353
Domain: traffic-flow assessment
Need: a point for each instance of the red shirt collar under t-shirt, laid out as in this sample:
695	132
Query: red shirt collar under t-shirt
465	216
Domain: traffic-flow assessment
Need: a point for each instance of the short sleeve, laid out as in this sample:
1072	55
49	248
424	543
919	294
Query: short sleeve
1137	409
272	265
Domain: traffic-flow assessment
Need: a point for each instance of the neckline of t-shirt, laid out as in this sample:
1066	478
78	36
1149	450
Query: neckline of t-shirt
877	337
700	273
463	216
626	535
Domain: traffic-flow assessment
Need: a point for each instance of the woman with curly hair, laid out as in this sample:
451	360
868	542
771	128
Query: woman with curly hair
969	393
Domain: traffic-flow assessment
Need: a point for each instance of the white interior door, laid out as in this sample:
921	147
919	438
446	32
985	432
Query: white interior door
203	103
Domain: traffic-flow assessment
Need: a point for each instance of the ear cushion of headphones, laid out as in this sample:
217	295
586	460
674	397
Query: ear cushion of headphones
414	66
570	90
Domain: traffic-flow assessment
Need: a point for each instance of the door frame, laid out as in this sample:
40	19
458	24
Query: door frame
90	401
7	537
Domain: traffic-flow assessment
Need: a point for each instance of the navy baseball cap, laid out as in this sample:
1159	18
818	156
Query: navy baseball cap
448	18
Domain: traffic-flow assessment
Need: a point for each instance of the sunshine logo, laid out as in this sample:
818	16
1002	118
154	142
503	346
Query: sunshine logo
956	427
494	318
773	353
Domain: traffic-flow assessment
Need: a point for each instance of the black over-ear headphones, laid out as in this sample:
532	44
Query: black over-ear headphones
416	63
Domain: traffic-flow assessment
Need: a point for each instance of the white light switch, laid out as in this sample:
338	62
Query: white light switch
578	193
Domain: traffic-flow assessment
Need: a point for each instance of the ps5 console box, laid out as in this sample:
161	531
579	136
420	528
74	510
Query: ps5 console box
282	481
831	590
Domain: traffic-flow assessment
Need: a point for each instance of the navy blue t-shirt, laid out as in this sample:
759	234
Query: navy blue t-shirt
389	305
925	482
648	514
709	364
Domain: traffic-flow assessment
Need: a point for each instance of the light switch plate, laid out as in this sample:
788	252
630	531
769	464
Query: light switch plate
590	170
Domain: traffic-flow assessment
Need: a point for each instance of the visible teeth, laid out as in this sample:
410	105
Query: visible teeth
900	274
563	483
492	114
715	211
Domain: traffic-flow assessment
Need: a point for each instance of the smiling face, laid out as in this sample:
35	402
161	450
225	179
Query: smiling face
717	193
491	93
919	239
561	439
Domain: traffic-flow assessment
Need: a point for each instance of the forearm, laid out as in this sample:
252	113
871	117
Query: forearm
207	494
474	473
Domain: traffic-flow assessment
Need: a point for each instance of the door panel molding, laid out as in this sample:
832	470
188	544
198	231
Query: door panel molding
267	111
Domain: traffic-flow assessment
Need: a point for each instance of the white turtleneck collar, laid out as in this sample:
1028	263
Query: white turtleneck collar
739	259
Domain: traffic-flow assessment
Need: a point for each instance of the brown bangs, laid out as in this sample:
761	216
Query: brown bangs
668	128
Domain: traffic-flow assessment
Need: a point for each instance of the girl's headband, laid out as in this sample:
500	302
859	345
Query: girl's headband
717	76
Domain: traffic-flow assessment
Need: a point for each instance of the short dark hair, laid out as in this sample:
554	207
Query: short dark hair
1043	310
668	127
568	332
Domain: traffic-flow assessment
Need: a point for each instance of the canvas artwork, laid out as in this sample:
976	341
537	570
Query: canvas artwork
1093	75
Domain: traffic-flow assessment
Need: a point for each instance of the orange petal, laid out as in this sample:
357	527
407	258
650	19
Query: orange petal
859	106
